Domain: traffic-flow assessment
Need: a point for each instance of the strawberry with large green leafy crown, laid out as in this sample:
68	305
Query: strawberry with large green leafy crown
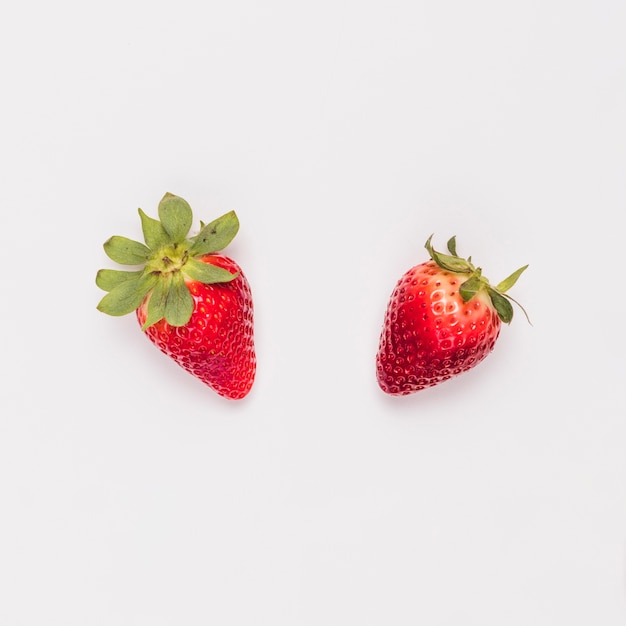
192	302
442	319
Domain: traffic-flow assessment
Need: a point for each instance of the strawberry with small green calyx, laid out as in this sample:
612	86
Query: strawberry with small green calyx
442	319
192	302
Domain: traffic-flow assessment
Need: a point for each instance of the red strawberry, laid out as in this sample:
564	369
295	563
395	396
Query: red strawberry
442	319
194	304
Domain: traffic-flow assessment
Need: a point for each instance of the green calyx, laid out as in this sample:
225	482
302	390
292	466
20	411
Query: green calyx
476	282
164	262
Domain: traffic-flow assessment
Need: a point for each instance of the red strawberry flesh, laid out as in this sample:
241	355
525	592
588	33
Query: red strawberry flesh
216	345
430	334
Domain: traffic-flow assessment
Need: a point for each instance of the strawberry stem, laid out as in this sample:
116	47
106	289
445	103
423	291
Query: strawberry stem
168	259
476	282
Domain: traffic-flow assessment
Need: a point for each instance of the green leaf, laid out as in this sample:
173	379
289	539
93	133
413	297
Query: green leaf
157	302
447	262
126	251
176	217
128	295
471	286
109	279
502	305
216	235
180	303
452	245
154	234
508	282
521	307
207	273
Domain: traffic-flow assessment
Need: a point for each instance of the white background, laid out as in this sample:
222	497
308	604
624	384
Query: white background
343	133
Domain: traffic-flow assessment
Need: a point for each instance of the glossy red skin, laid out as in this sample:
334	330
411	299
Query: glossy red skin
217	344
429	333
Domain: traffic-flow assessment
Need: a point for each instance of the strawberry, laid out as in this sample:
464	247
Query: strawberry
443	318
192	302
